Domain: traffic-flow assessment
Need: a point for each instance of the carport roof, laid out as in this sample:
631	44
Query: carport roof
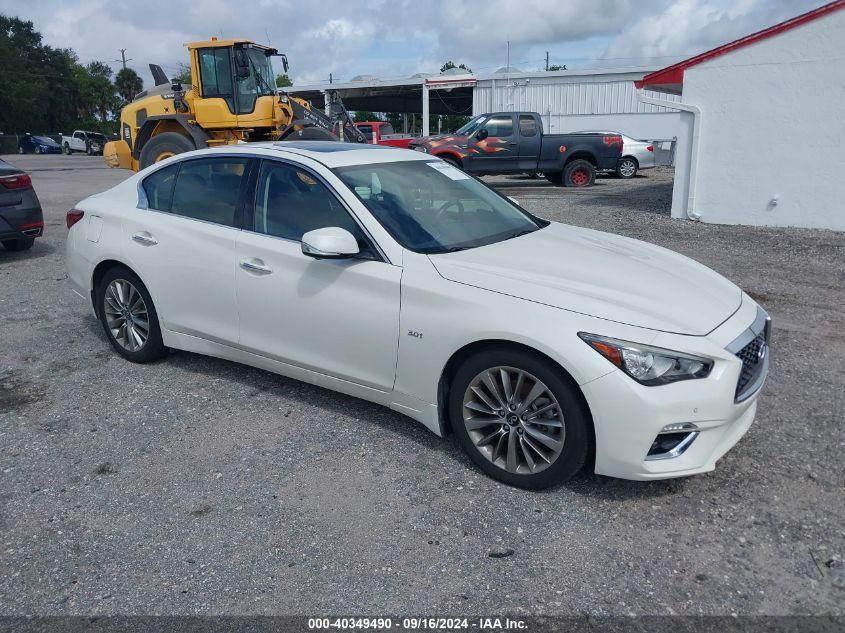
671	78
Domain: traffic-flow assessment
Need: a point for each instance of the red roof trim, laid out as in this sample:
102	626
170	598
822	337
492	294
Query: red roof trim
675	74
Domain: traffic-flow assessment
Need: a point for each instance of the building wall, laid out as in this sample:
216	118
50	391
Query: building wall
772	131
579	102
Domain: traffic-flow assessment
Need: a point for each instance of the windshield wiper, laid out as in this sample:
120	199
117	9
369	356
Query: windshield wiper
520	233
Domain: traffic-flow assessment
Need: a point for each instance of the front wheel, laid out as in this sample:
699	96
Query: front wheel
128	316
626	167
164	146
37	149
518	419
579	173
66	149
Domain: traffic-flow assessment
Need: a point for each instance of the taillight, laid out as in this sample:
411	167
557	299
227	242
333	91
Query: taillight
32	225
612	140
18	181
73	216
650	148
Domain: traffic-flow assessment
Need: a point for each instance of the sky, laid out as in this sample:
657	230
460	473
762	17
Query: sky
396	38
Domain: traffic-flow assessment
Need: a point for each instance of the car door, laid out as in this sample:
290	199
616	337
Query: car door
529	141
335	317
183	244
78	142
499	150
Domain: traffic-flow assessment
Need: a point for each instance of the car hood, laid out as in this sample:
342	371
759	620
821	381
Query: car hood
601	275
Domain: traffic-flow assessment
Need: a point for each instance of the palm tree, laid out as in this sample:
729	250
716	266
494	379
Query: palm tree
128	84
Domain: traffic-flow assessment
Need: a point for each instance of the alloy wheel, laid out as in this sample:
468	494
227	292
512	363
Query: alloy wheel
514	420
126	315
627	168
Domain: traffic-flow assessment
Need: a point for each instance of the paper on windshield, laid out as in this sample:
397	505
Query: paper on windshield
448	170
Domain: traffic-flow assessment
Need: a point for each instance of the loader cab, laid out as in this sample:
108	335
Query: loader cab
230	77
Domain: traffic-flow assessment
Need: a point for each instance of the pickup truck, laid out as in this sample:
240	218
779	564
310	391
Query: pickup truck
381	133
81	141
513	142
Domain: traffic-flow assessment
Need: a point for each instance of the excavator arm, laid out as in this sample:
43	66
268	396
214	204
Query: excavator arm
303	116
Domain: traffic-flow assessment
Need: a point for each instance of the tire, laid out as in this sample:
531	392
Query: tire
66	149
627	167
579	173
556	178
492	457
89	151
108	302
164	146
20	150
20	244
37	149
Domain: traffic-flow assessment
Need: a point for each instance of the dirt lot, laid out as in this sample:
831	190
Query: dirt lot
197	486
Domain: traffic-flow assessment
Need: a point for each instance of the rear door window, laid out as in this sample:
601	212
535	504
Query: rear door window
527	125
159	188
209	189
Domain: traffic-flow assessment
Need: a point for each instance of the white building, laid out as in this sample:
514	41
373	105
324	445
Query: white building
569	100
762	126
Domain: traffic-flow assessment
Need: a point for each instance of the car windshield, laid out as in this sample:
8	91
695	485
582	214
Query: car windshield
470	127
432	207
44	139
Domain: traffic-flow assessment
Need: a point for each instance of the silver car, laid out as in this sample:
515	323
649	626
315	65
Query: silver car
636	155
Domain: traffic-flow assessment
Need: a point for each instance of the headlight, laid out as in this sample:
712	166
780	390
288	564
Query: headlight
649	365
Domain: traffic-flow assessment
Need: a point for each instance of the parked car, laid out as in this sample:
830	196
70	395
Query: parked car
514	142
81	141
636	155
533	341
21	219
381	133
30	144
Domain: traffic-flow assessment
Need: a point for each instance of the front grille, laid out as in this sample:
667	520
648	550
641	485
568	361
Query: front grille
752	362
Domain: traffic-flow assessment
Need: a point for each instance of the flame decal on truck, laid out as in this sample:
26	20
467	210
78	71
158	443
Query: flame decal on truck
457	145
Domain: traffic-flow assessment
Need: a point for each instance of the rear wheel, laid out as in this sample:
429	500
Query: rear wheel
627	167
164	146
66	149
518	419
20	244
579	173
128	316
37	149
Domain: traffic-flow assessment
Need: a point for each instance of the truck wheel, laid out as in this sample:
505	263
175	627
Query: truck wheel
555	177
627	167
164	146
579	173
66	149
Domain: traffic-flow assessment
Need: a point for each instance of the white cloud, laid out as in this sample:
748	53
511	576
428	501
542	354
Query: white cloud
391	38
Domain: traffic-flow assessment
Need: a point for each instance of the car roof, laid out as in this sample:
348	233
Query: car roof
331	153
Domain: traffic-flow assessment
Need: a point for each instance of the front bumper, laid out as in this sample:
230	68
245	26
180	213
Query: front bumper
628	417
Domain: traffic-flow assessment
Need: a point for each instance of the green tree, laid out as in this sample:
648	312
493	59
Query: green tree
128	84
450	64
557	67
183	74
365	115
283	81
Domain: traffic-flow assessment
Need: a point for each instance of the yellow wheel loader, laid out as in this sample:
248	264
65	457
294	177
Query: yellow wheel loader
232	98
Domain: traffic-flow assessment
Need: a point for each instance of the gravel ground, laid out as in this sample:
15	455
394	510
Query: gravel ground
198	486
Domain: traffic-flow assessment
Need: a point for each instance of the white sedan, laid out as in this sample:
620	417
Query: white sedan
394	277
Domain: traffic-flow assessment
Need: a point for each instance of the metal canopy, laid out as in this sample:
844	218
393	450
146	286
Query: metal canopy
396	98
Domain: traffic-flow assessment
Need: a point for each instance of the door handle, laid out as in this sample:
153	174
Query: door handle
145	239
255	266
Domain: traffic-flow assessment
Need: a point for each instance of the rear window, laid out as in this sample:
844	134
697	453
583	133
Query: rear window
527	125
159	188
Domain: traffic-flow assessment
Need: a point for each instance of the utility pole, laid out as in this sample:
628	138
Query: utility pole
123	57
547	60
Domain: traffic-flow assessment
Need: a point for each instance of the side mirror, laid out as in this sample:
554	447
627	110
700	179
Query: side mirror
284	62
482	134
331	242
